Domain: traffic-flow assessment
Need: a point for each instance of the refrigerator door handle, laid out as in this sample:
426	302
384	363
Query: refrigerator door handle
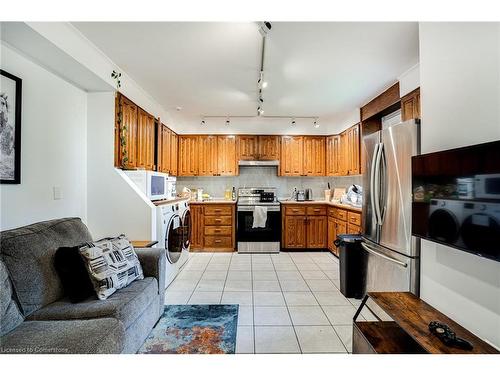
386	257
372	180
383	178
376	183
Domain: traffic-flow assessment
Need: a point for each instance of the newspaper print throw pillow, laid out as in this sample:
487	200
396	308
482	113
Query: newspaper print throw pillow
112	264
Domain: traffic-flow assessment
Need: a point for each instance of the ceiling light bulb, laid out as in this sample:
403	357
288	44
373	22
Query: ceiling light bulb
264	84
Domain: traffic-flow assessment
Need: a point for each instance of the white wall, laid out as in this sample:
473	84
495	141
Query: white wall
460	96
409	80
113	206
53	152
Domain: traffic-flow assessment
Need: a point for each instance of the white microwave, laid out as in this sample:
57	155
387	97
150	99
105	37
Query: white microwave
152	184
487	186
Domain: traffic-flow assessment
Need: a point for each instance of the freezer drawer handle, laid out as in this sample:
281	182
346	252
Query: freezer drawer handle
386	257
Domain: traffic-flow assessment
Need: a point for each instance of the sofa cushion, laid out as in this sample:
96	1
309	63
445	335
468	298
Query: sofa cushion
112	264
126	305
71	337
10	316
28	253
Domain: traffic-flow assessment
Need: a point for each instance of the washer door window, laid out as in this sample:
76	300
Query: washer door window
481	234
173	239
186	223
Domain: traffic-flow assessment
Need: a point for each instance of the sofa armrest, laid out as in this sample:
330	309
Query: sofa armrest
153	263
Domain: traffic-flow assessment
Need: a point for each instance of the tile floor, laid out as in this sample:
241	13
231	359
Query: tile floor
288	302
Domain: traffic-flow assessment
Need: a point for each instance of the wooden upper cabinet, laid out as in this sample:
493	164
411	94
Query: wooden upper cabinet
410	105
353	157
207	153
343	154
145	140
291	163
128	134
174	148
333	157
314	156
164	154
227	164
188	155
247	147
269	147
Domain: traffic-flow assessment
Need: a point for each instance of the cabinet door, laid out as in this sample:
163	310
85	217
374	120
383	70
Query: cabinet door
197	234
145	140
354	140
226	150
174	154
317	235
410	105
117	132
188	155
341	227
291	163
269	147
314	156
331	235
207	151
343	154
128	134
164	149
247	147
294	232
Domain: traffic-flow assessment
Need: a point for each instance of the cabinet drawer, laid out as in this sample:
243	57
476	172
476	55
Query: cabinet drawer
340	214
295	210
331	212
218	220
316	210
218	210
218	241
354	218
218	230
353	229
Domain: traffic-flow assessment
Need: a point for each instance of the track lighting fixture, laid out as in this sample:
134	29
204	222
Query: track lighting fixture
315	123
202	121
260	111
293	121
227	122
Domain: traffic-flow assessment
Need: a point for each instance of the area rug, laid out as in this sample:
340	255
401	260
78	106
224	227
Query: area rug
194	329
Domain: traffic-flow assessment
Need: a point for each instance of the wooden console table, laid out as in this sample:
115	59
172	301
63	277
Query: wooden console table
408	332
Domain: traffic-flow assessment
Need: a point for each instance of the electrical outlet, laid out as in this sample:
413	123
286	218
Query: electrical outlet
57	193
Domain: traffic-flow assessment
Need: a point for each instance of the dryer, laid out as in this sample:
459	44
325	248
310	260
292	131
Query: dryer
170	237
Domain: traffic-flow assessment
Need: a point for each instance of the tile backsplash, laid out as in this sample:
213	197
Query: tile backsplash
265	177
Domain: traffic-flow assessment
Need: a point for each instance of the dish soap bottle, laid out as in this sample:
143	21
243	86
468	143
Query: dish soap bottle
234	194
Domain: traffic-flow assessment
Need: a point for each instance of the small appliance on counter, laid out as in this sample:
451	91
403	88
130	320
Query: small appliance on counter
354	196
301	196
153	184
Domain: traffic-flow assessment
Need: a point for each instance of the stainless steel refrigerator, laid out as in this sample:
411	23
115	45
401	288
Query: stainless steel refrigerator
392	253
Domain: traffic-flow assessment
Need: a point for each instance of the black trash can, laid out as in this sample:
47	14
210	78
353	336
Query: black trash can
352	271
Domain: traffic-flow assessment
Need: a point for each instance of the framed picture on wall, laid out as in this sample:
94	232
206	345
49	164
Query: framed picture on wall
10	128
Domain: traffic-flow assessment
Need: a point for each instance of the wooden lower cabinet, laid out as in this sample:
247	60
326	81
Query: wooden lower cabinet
317	235
213	227
294	232
197	226
341	221
332	235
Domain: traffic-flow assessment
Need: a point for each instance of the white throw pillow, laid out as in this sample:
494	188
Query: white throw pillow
112	264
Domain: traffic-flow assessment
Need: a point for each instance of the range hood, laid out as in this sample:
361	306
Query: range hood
259	163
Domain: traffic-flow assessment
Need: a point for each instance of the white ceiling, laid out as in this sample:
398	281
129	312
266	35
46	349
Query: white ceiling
313	69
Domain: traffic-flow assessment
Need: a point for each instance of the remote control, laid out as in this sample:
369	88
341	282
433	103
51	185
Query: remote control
447	336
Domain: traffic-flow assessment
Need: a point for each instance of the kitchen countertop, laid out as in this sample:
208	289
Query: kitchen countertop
329	203
213	201
169	201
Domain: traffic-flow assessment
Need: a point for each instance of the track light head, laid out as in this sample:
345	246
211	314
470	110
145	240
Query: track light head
260	111
264	27
203	122
228	122
315	123
293	122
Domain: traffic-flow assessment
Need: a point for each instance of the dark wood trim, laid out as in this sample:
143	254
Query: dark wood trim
385	100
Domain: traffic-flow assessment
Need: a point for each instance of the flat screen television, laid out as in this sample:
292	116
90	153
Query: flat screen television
456	198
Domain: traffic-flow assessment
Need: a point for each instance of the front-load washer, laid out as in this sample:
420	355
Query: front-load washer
185	214
170	237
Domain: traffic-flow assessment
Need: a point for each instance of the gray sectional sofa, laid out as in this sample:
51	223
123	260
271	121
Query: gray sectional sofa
35	315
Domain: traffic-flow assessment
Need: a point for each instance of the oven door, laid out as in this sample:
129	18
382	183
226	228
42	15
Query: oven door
270	233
